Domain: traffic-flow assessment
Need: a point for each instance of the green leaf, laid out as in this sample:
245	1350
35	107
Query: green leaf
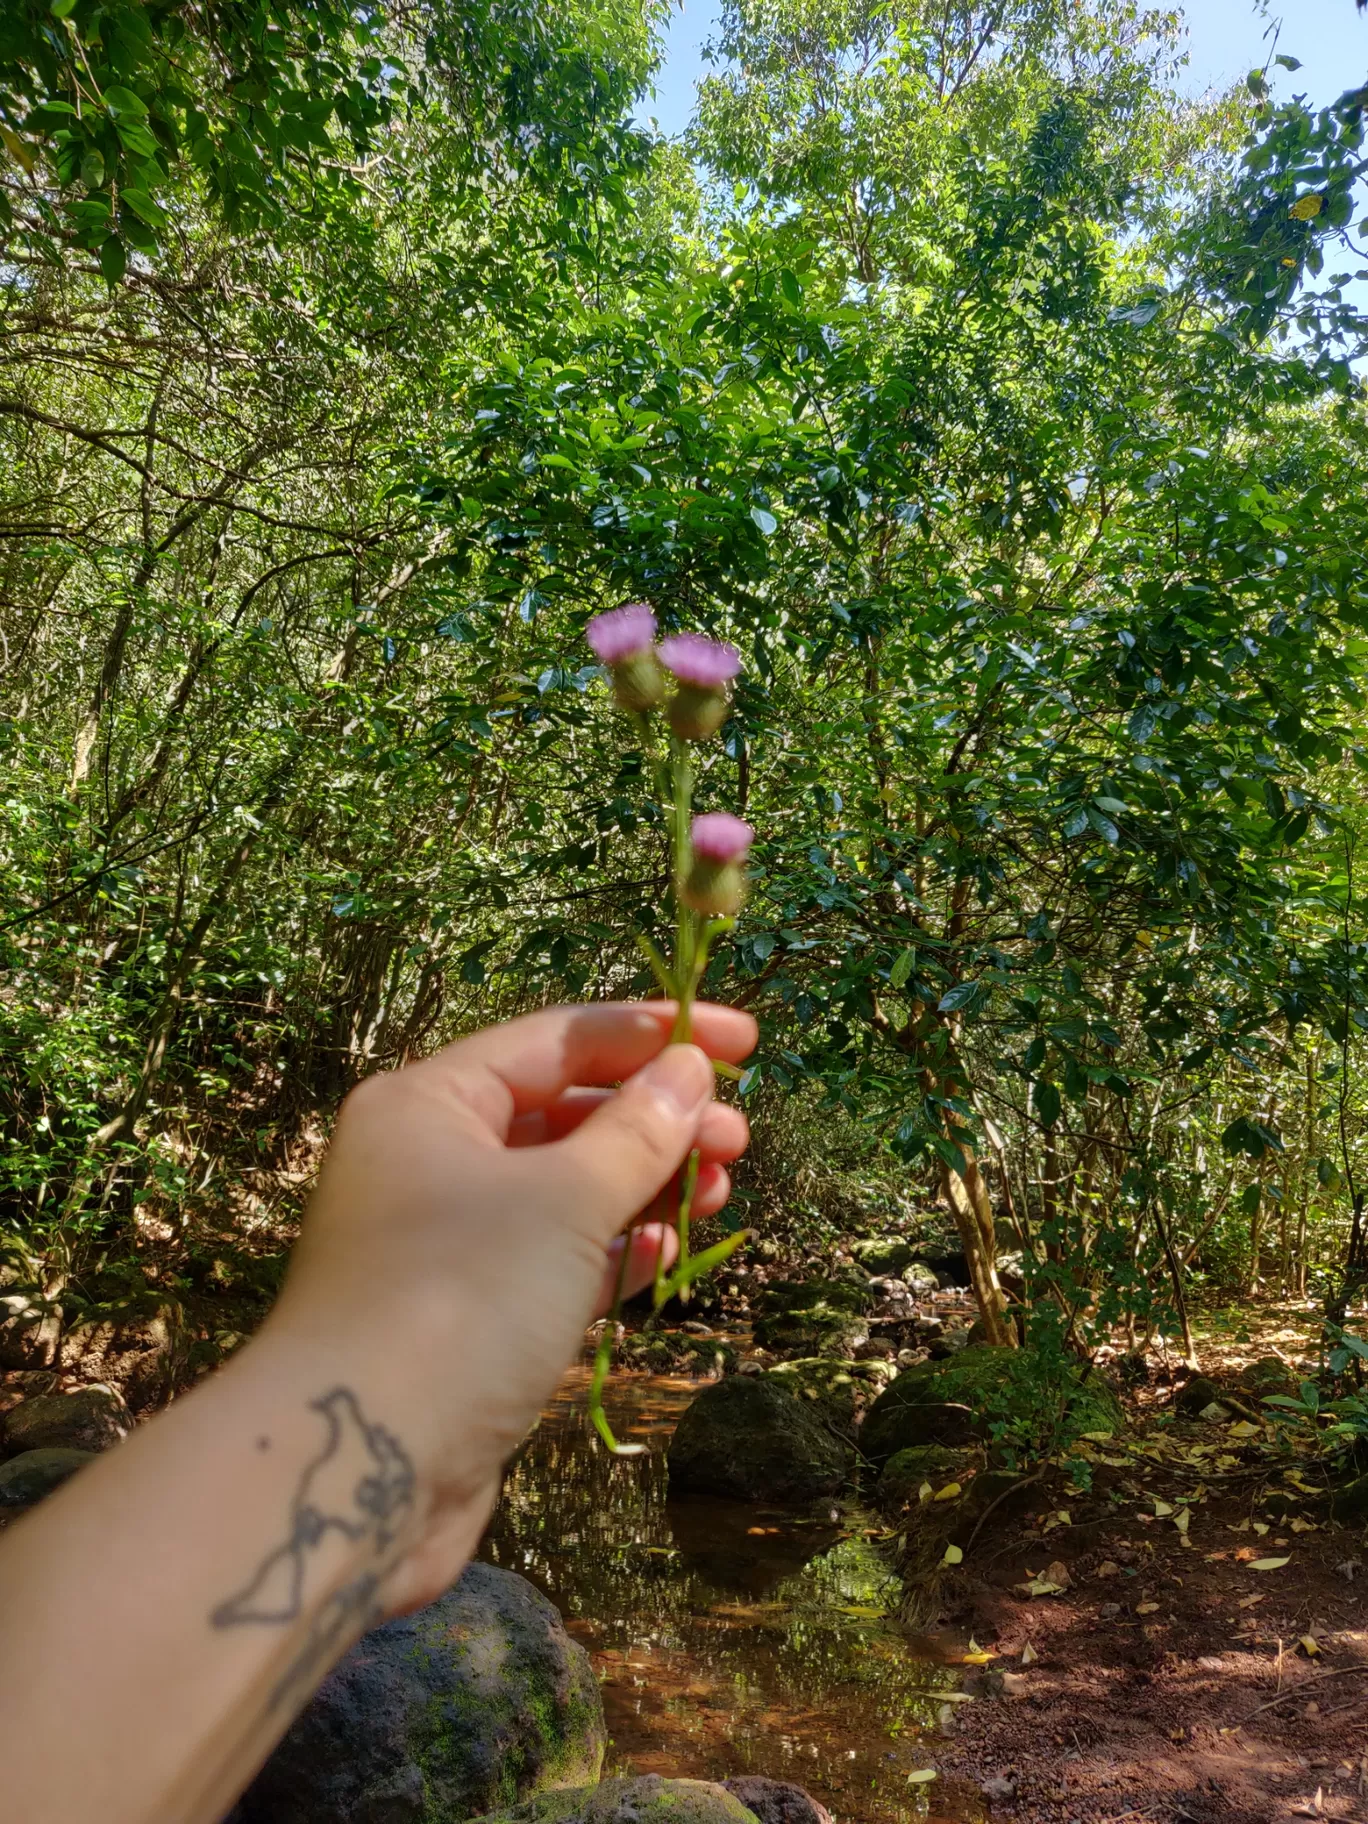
119	100
1046	1101
766	521
902	969
144	207
961	995
113	260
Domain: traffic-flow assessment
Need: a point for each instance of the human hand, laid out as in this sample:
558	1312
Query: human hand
469	1220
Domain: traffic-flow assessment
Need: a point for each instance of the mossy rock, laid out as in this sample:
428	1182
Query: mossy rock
821	1329
25	1479
750	1439
885	1257
92	1418
1268	1375
834	1294
670	1353
838	1391
640	1799
907	1472
1043	1404
1195	1396
477	1702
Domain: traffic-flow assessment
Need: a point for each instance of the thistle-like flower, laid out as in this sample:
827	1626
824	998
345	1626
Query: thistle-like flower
623	641
715	884
704	668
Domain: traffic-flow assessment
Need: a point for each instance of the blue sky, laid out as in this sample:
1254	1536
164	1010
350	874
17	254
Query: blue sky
1226	39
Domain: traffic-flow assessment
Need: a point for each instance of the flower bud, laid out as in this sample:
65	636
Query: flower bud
716	882
704	668
622	641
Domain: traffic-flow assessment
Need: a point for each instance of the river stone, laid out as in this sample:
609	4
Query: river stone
839	1392
959	1401
776	1801
26	1479
1195	1395
920	1279
1269	1375
885	1257
820	1330
92	1418
476	1702
748	1438
641	1799
907	1471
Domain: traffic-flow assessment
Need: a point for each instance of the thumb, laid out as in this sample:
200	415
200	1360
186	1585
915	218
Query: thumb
625	1152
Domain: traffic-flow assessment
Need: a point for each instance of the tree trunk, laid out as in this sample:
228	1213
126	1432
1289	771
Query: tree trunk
966	1196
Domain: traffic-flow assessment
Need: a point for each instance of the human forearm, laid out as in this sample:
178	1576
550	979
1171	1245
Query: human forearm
209	1571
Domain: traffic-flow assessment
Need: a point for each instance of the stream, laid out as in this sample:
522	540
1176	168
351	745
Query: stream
729	1639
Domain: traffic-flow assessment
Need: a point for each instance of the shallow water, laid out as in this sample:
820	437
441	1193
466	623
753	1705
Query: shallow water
729	1639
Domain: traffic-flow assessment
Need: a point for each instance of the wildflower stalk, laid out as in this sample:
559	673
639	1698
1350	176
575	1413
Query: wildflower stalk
706	861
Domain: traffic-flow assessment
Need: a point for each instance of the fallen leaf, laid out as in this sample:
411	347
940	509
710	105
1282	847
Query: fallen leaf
1241	1526
953	1555
1029	1655
1304	1526
1182	1519
1269	1564
925	1492
1162	1510
922	1777
1146	1608
1309	1645
977	1657
948	1493
1243	1430
864	1613
1261	1527
1247	1602
1097	1437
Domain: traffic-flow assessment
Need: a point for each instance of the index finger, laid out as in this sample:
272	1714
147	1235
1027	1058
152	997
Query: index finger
510	1070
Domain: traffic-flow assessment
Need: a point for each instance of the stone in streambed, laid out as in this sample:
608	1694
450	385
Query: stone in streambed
642	1799
479	1701
25	1479
92	1418
748	1438
1195	1395
962	1400
907	1472
776	1801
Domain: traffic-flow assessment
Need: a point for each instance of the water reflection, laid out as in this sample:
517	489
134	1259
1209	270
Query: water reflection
729	1639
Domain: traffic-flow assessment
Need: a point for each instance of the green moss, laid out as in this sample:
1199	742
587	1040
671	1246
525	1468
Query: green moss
1019	1402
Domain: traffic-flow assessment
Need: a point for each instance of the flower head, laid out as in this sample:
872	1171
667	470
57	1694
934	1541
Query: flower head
621	633
695	659
717	836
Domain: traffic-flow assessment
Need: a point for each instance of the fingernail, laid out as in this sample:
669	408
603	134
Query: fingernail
680	1076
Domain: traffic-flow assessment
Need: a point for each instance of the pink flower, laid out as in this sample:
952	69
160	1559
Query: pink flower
717	836
695	659
621	633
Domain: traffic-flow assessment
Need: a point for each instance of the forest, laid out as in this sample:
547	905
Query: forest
1003	406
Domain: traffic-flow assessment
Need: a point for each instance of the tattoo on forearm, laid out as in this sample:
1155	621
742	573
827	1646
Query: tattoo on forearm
359	1486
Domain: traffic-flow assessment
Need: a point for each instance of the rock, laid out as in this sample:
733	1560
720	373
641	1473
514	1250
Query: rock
479	1700
894	1299
820	1330
1270	1374
920	1279
885	1257
750	1439
1195	1395
998	1789
960	1401
776	1801
27	1478
1215	1414
643	1799
1349	1504
90	1419
840	1392
907	1471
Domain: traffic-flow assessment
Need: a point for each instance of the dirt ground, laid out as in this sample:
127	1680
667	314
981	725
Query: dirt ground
1181	1676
